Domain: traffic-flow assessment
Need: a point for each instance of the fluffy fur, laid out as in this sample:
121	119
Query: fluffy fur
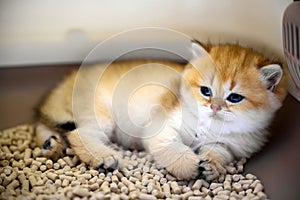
192	118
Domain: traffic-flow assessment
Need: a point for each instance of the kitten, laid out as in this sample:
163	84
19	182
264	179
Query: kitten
192	118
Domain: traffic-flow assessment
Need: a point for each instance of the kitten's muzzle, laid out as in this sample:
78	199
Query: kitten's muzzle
216	104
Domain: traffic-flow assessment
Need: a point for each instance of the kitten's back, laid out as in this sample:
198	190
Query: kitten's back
108	80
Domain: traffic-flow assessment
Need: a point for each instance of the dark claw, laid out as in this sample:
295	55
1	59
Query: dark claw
47	144
200	174
110	169
102	168
201	169
99	167
202	161
113	167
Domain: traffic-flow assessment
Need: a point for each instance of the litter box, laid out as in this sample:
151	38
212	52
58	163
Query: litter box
42	41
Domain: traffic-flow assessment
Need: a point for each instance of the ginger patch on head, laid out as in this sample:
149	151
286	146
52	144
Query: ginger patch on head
233	74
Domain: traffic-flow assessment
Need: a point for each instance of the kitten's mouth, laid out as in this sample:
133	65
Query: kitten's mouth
223	116
217	116
214	114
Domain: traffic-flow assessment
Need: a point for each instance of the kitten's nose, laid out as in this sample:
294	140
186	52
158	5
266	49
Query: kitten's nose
216	104
215	107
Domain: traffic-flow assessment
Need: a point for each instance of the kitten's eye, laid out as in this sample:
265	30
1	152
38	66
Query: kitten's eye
205	91
235	98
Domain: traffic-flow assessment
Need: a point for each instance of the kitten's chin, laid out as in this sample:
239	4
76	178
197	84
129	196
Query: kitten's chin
225	122
224	117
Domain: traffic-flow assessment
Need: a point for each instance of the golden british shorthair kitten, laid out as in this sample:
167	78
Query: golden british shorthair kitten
192	118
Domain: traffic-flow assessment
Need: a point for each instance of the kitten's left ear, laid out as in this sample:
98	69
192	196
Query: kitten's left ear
271	75
198	50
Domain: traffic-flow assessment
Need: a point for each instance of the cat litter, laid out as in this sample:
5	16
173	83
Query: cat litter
26	174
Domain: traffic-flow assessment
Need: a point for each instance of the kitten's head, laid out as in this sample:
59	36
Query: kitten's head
233	85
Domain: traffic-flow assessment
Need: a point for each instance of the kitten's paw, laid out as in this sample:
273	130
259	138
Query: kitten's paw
110	162
92	151
210	168
100	157
185	167
52	147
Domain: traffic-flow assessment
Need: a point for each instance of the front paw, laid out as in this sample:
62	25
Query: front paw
185	166
210	168
99	157
111	161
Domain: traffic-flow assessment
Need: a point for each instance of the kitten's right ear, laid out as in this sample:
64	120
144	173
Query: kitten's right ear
198	50
271	75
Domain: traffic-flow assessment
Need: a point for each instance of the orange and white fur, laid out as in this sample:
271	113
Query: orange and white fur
192	118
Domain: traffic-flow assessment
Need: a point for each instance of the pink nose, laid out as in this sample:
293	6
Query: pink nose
215	107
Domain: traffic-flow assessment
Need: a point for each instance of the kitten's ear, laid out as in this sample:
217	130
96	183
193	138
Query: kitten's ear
198	50
271	75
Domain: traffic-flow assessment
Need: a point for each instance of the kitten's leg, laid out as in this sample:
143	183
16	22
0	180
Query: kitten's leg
169	152
50	142
213	158
91	146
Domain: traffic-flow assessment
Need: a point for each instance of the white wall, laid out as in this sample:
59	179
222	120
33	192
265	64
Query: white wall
37	32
